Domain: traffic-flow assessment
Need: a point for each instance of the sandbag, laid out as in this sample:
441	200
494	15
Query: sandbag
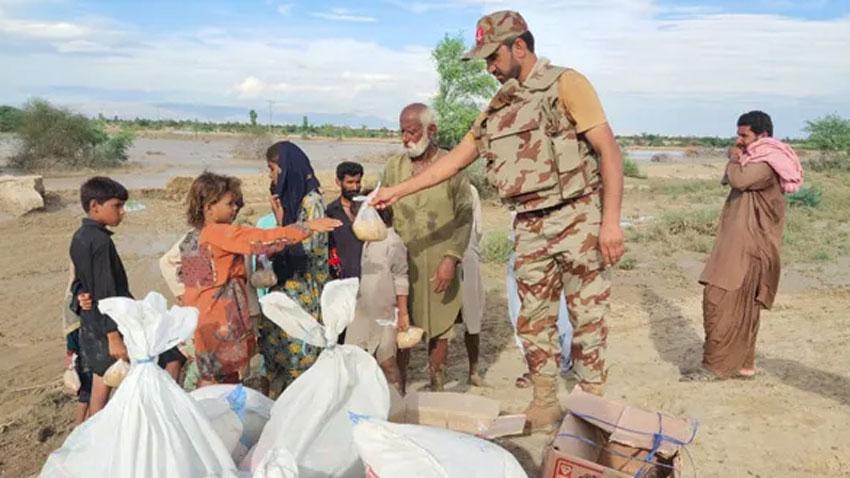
250	408
391	449
310	418
150	427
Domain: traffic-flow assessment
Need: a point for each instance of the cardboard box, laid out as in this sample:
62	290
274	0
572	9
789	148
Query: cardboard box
598	435
461	412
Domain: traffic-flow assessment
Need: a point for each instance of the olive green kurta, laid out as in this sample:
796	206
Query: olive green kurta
433	223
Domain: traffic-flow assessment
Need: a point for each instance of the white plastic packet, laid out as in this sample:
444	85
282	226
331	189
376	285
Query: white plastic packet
368	225
391	449
150	427
250	408
70	378
116	373
310	418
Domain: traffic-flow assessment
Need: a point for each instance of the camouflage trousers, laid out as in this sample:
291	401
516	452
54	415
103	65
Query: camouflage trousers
558	250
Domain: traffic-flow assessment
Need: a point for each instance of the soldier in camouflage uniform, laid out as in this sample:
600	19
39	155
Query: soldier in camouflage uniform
554	160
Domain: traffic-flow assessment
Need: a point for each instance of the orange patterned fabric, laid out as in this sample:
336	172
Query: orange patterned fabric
213	272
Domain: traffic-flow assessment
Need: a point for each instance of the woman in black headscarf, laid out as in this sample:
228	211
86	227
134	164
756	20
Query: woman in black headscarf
302	270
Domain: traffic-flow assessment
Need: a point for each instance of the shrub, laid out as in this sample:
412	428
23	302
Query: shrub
631	169
478	177
809	196
252	145
496	247
10	119
830	133
55	137
829	162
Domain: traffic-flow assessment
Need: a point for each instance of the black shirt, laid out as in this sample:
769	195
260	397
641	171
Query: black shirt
347	246
98	270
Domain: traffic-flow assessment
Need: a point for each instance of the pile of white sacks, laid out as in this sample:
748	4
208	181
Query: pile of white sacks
331	422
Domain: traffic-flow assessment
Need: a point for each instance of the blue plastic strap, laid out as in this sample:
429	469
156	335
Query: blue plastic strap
145	360
236	399
658	438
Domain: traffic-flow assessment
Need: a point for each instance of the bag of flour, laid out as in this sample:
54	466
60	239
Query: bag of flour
368	225
150	427
310	418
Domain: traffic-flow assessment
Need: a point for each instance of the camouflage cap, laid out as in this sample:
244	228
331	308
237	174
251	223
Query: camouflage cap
493	30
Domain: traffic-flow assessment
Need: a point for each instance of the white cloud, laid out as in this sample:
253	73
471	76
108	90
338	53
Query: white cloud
656	68
44	30
344	15
284	9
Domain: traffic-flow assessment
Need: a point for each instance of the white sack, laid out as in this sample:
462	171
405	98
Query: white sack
151	427
390	450
250	408
310	418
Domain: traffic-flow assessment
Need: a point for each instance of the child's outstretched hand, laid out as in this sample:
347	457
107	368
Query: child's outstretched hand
324	224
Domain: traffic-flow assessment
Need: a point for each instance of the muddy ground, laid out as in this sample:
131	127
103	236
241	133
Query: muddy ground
793	420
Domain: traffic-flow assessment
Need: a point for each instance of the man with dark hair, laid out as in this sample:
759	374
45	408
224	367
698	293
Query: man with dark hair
758	121
553	158
345	248
741	275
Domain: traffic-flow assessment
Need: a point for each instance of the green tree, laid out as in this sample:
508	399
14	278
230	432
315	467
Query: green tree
305	123
253	116
464	87
830	133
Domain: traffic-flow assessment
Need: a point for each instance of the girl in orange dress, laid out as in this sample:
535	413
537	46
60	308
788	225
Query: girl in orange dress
213	271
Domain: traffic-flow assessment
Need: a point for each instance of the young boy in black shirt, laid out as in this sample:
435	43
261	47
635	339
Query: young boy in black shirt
99	274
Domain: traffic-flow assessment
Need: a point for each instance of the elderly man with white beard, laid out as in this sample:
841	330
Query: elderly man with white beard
435	225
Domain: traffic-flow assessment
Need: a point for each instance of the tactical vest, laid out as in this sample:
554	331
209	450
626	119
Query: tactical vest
534	157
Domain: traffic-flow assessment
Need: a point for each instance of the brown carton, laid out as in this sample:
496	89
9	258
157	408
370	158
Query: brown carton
601	438
461	412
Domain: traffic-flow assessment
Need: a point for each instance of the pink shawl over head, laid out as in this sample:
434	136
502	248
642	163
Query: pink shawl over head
781	158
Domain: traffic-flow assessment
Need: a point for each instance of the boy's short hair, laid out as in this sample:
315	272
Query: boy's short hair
206	189
758	121
348	168
385	213
101	189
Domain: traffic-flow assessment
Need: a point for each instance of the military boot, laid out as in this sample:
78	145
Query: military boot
544	412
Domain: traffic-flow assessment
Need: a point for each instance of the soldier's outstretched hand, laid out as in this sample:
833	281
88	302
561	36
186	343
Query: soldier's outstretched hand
385	197
611	243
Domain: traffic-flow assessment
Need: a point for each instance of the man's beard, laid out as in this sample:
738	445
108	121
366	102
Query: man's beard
512	73
350	194
418	148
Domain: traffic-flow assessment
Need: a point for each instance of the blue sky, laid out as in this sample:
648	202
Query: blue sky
660	66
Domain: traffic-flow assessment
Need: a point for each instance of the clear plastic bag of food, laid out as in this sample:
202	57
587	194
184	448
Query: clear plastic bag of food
71	379
115	374
410	337
264	276
368	225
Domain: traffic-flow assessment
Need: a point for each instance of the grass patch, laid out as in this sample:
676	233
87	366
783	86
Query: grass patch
809	196
496	247
627	264
681	229
631	169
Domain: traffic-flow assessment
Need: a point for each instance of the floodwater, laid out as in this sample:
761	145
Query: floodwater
647	154
153	161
